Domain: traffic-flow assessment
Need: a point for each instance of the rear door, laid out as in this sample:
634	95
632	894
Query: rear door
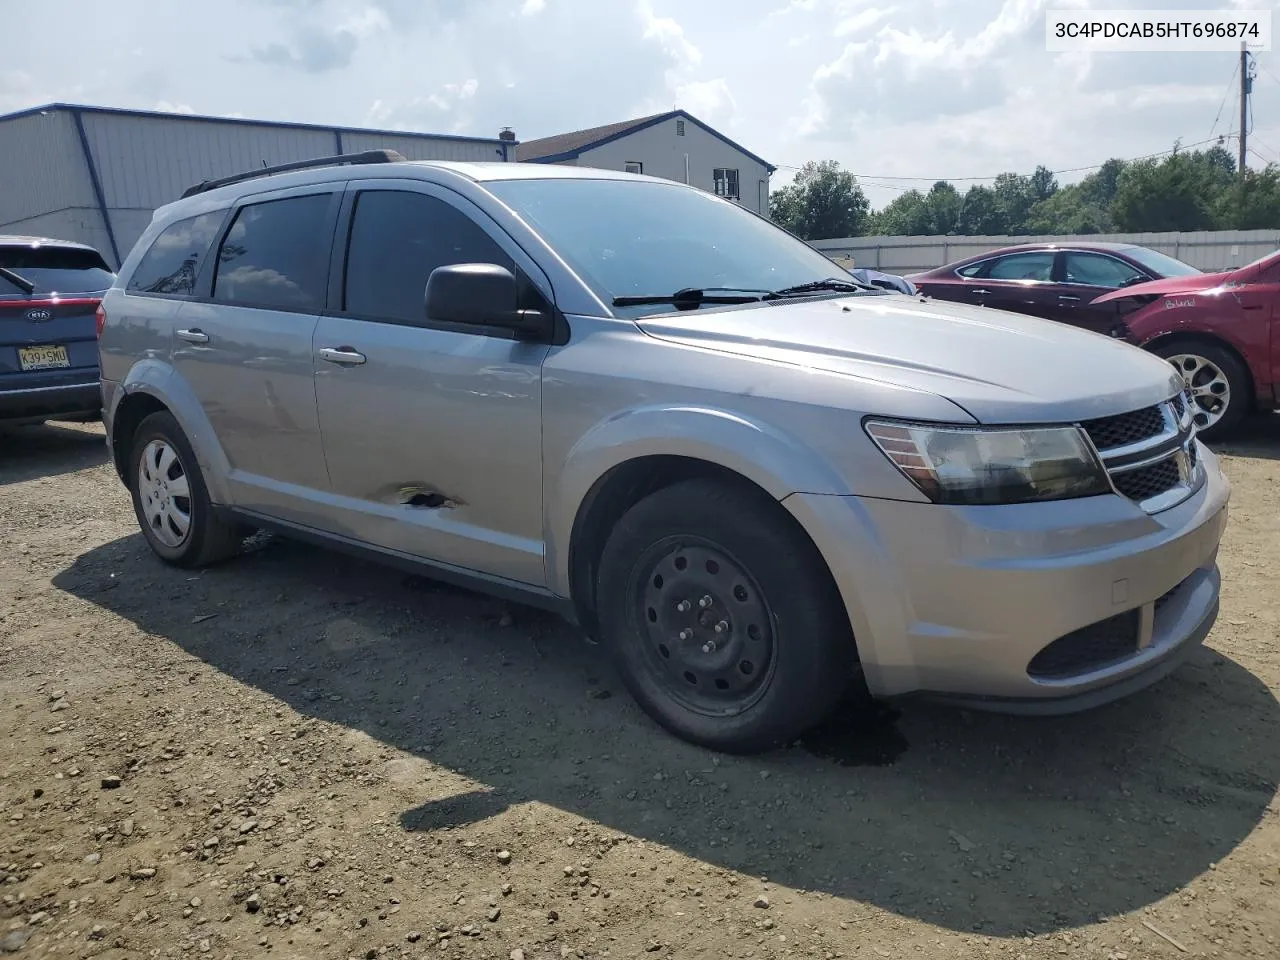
1021	282
48	297
244	347
1084	275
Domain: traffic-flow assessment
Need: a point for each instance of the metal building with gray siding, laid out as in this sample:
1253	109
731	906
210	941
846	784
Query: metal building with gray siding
96	174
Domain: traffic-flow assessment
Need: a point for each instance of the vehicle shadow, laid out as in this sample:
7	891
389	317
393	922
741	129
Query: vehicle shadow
48	450
1259	438
967	821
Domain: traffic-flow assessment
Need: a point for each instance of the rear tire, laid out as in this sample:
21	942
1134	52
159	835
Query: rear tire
722	618
1219	384
171	501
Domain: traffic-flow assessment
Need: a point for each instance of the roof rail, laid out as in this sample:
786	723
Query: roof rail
369	156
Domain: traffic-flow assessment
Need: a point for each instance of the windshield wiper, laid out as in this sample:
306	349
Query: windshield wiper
694	296
19	281
817	286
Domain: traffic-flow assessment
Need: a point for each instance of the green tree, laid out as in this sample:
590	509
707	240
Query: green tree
822	202
980	214
1169	194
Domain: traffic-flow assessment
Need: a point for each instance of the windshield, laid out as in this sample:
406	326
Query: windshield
632	238
53	270
1160	264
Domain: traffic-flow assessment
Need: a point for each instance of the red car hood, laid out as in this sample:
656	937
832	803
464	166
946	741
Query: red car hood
1195	283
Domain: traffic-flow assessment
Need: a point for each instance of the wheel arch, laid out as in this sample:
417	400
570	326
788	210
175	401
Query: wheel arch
152	386
626	484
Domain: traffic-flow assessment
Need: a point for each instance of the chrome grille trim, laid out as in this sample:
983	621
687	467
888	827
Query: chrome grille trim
1175	442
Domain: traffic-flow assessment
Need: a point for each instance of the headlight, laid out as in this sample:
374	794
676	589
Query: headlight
972	465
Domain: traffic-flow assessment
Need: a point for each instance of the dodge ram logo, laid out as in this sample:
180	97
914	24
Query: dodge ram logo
39	315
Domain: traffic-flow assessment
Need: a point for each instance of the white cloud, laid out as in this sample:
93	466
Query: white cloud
898	88
167	106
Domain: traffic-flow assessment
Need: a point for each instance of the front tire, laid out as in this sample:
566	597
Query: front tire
722	618
1218	381
171	501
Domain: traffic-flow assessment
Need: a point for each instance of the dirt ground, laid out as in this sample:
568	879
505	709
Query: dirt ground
300	755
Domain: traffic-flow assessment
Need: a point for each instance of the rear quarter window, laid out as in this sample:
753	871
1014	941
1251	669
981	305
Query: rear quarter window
173	261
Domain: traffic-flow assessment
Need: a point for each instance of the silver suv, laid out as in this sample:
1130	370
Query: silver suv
761	484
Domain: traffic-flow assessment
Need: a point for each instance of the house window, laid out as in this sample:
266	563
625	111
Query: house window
726	181
635	166
679	128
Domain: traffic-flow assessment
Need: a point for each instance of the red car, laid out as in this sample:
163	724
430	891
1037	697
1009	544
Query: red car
1221	330
1216	328
1050	280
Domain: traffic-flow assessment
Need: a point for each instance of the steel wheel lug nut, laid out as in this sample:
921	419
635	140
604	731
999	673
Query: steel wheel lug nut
705	601
709	647
686	634
722	626
683	606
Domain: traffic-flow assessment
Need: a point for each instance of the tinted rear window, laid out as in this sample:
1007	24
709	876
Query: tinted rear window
55	270
275	255
174	260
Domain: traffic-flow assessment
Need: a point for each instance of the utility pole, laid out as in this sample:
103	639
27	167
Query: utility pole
1245	87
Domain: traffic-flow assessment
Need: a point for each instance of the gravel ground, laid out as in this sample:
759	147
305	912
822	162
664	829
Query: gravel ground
300	755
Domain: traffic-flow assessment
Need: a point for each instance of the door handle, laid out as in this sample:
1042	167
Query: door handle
194	335
344	356
980	293
1067	298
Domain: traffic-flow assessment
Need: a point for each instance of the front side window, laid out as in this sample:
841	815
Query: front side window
173	261
972	270
1096	270
397	239
274	256
652	238
1023	266
726	183
52	270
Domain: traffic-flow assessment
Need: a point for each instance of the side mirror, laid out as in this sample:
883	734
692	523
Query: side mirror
482	295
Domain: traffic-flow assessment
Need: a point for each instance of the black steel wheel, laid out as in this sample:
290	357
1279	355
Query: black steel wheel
722	618
708	626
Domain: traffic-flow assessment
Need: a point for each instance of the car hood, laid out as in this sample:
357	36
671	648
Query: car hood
1001	367
1194	283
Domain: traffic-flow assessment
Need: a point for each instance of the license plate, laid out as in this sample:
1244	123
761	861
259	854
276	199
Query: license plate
43	358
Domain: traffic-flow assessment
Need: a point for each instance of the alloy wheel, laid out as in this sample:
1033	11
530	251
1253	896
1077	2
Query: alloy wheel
1209	387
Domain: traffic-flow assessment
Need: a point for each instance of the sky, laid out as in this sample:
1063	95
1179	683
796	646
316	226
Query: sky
924	89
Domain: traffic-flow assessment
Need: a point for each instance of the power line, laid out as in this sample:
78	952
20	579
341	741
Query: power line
1230	86
868	177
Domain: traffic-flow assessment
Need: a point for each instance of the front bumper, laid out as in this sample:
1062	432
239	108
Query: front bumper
958	602
52	402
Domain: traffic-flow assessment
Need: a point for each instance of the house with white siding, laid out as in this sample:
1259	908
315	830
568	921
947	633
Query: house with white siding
96	174
674	145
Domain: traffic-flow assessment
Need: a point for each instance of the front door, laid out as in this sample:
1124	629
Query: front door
245	351
432	433
1083	277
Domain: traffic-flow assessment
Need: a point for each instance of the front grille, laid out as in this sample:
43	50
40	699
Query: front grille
1089	648
1125	428
1147	482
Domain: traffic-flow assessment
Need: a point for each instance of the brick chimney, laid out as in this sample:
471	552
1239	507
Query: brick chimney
507	134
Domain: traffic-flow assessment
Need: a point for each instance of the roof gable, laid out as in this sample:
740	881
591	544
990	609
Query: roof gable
568	146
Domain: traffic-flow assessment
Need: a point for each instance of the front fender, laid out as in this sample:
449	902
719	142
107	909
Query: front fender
775	461
159	380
